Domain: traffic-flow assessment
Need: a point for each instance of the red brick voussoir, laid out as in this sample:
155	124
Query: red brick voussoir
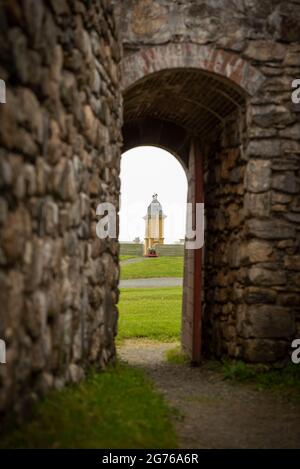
225	65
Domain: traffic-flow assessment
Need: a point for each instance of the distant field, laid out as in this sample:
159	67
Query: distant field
153	267
152	313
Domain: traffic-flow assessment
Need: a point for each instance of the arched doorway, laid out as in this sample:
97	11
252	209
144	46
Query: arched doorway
193	100
151	287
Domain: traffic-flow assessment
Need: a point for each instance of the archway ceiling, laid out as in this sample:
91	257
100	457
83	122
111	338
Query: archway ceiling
197	101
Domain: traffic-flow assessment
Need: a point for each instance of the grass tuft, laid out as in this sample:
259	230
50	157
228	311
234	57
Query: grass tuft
177	356
115	409
285	381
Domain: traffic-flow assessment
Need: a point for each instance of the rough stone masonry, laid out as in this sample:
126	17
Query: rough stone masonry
216	72
60	156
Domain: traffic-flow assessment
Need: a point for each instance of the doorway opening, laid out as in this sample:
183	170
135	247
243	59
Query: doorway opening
152	220
193	101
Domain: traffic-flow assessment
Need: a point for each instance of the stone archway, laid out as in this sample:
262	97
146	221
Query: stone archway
187	98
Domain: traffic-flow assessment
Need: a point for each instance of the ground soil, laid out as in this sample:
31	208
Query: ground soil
213	412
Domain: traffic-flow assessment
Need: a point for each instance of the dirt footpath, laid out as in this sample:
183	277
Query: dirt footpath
158	282
216	413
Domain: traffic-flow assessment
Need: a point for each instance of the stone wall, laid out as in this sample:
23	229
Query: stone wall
135	249
226	24
252	291
270	254
174	250
60	156
224	209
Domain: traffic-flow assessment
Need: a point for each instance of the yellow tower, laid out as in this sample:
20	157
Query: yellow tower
154	225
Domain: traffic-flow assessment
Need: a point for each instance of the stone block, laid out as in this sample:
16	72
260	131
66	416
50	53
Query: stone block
266	321
264	148
289	299
15	232
270	229
271	115
235	214
75	373
292	132
50	214
264	277
257	176
257	251
279	198
264	51
292	262
257	205
256	295
264	350
285	182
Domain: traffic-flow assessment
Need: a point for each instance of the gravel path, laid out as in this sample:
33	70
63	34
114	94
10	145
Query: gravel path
217	413
151	282
133	260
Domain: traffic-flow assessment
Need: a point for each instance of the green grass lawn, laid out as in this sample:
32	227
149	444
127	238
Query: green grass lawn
153	313
153	267
115	409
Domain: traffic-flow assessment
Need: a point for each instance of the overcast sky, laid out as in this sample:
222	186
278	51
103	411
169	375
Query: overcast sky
144	172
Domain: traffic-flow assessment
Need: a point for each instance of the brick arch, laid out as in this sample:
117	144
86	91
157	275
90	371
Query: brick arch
223	64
